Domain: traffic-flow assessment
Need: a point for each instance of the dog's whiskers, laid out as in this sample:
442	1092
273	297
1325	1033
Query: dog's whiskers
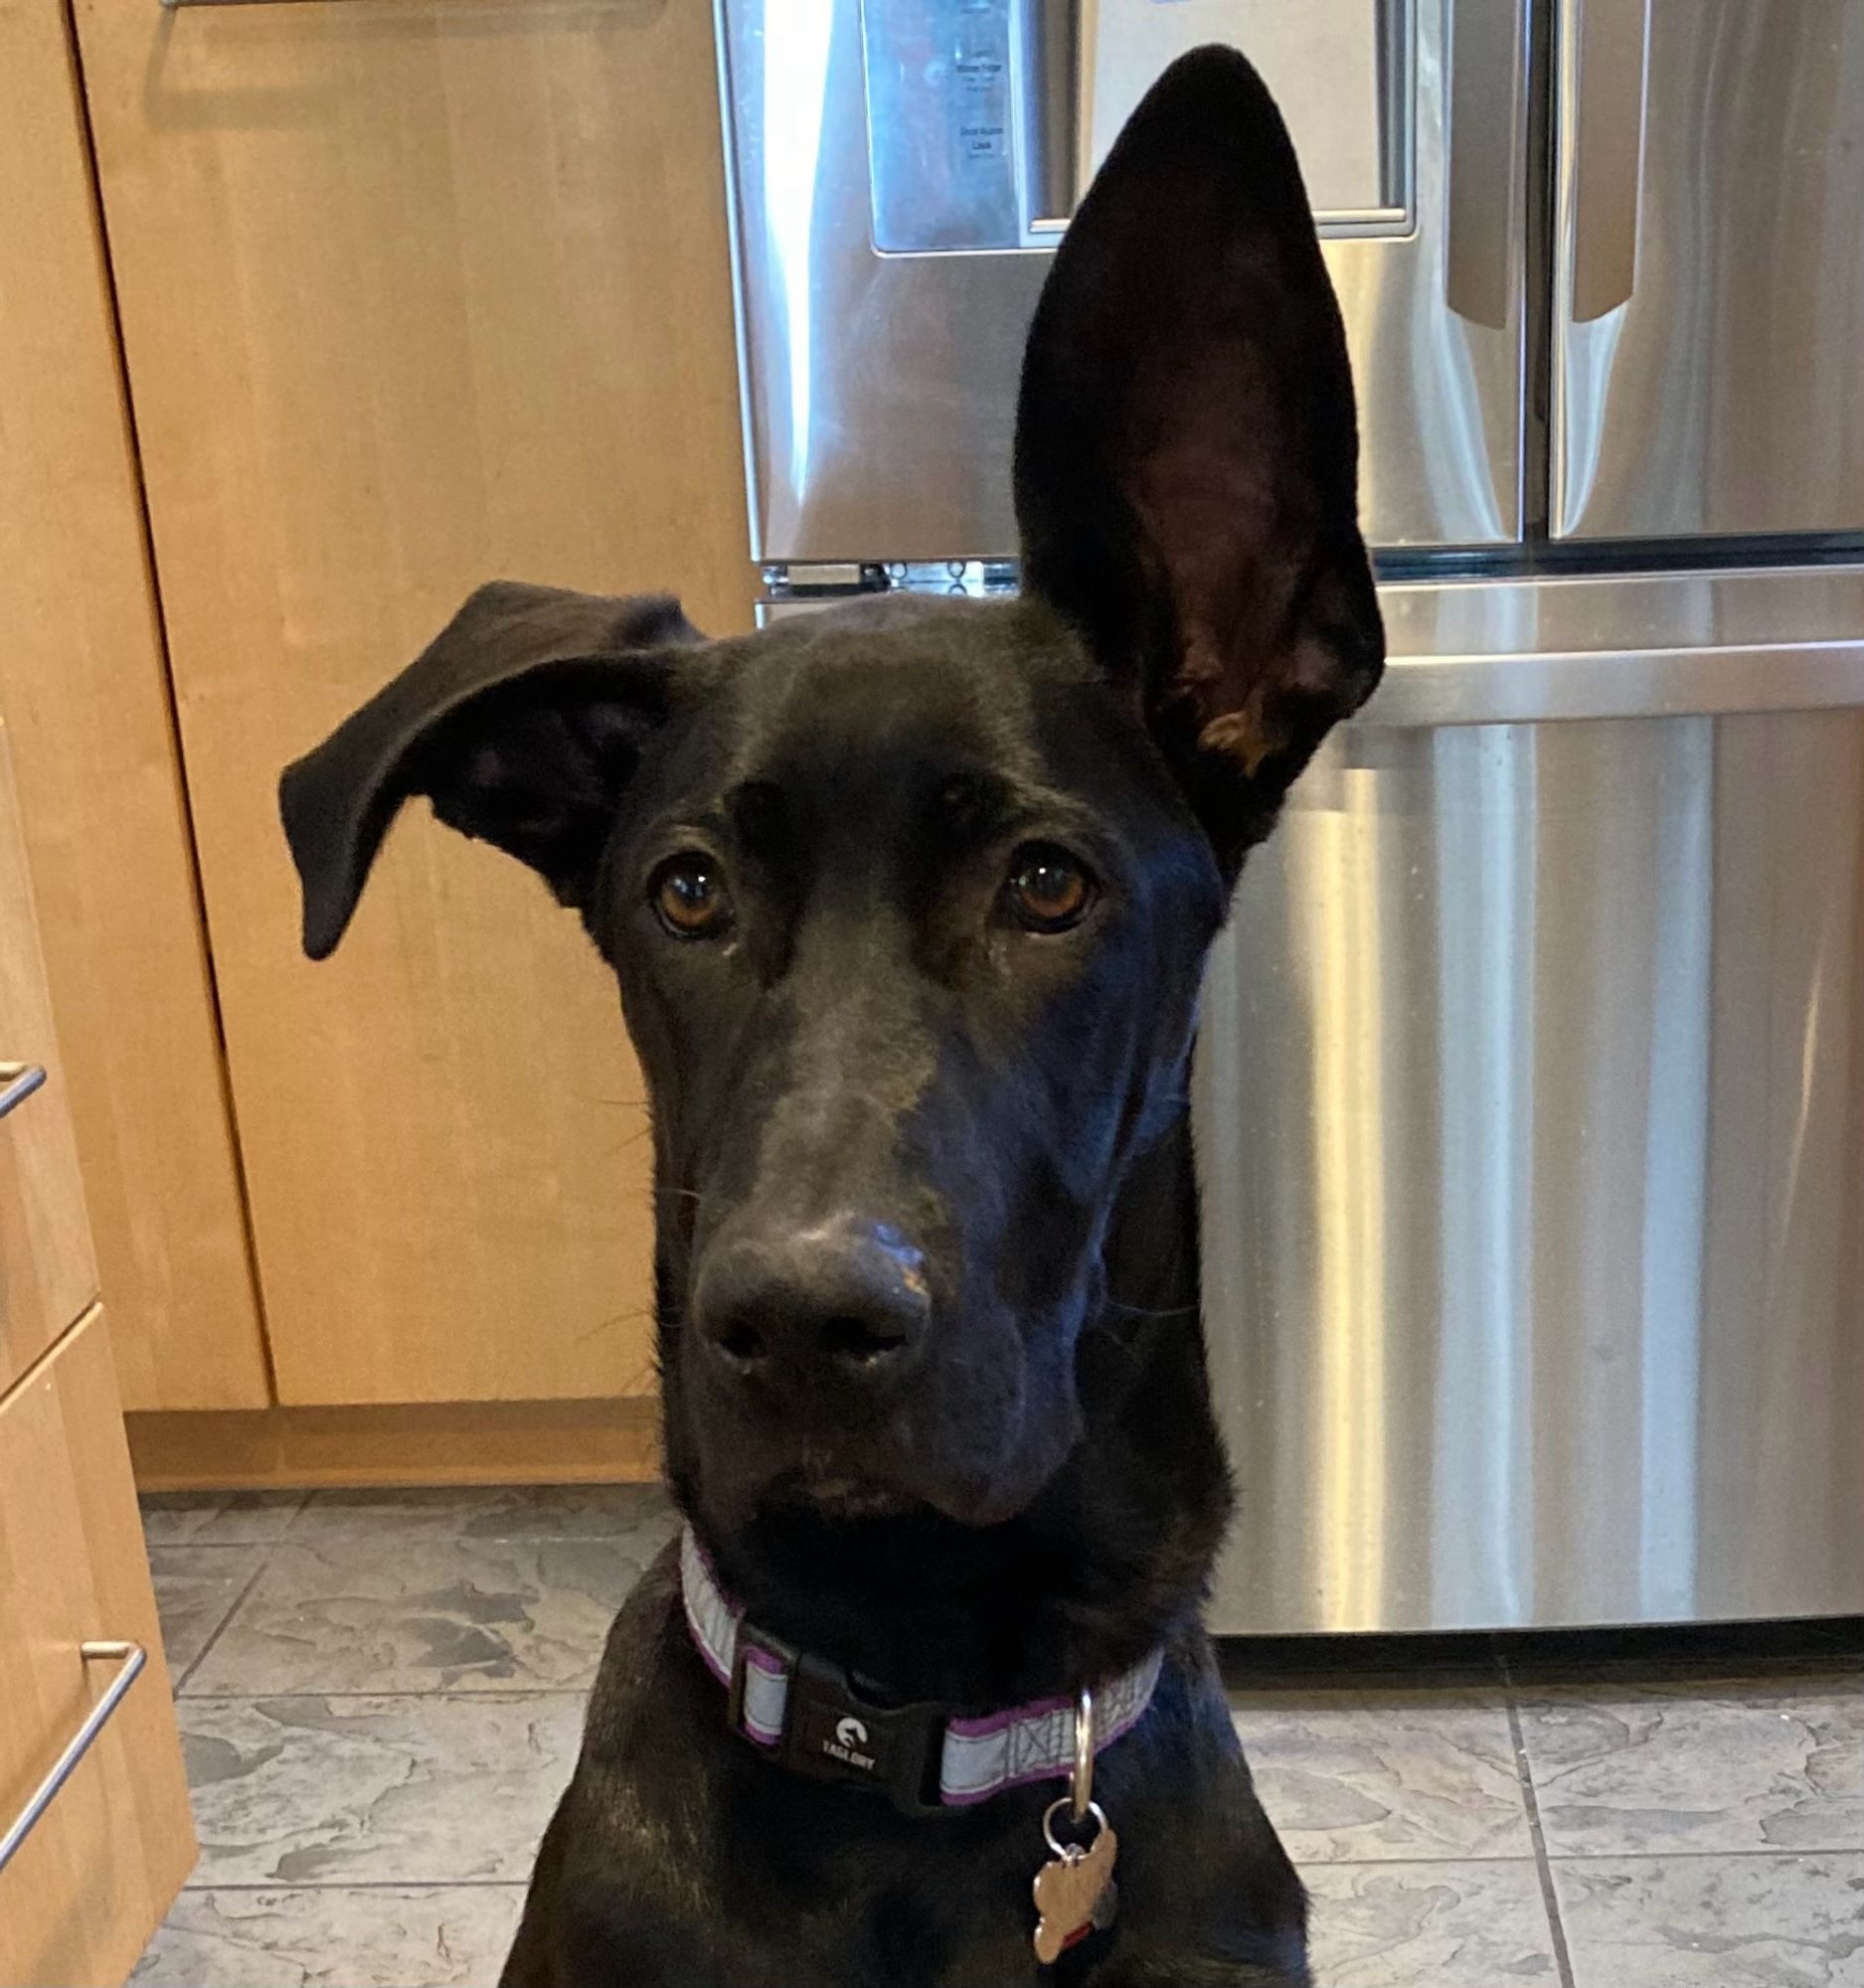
1110	1303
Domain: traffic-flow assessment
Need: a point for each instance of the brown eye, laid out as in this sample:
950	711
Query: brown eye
1048	890
689	896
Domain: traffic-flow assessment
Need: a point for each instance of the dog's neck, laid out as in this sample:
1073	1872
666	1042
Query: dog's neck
1109	1558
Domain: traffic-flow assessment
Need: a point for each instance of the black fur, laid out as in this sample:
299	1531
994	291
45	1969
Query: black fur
875	1054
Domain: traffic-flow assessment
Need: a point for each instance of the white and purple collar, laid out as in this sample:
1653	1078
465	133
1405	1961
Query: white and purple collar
809	1715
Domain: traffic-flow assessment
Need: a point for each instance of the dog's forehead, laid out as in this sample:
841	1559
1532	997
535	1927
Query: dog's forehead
897	679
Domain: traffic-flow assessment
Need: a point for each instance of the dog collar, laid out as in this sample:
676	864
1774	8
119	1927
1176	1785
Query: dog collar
809	1714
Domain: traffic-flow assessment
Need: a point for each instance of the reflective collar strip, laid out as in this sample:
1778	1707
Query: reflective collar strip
982	1757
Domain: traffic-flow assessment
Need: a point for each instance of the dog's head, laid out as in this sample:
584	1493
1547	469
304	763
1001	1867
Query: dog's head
909	900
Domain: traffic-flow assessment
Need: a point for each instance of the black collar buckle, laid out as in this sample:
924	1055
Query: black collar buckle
834	1732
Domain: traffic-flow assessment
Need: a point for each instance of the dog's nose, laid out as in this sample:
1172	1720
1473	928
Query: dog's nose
845	1299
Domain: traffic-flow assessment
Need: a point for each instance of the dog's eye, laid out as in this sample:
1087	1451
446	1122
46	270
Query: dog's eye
1048	890
689	896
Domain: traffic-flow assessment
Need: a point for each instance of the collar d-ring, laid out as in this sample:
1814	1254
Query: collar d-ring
1080	1787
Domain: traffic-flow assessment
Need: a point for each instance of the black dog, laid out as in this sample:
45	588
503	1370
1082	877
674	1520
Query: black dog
909	903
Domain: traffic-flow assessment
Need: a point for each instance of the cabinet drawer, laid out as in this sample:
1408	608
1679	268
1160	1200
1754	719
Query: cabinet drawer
92	1881
47	1271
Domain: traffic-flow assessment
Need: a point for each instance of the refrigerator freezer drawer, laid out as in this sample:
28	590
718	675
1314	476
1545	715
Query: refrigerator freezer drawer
1530	1111
1709	333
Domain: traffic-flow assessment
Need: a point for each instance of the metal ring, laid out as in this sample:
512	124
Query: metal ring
1069	1851
1081	1787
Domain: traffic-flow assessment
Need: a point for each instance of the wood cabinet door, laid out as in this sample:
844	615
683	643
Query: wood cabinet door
416	293
85	693
94	1877
48	1272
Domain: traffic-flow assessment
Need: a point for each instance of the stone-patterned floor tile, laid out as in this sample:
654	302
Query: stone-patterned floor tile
1451	1925
492	1512
218	1518
1756	1922
1386	1774
435	1937
1777	1765
388	1615
371	1790
195	1589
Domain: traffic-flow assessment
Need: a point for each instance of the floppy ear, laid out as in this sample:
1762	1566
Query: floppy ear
522	721
1186	450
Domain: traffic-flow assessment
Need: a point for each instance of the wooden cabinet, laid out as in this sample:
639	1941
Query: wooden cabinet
47	1274
92	1880
85	692
417	292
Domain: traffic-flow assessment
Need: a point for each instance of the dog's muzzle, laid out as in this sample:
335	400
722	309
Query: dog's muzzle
812	1716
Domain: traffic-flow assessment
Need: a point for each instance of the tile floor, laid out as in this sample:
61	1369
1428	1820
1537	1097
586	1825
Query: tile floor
381	1697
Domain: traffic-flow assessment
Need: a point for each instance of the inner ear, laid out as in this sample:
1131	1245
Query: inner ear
1186	448
539	776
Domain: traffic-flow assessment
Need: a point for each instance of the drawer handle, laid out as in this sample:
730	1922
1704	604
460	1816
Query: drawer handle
132	1657
18	1082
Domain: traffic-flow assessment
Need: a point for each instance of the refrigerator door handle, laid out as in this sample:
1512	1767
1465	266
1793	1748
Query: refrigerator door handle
1046	57
1605	67
1482	153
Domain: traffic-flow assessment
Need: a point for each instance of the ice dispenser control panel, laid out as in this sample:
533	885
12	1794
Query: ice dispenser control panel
986	118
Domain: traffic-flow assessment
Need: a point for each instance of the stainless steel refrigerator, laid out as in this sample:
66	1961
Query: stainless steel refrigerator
1530	1099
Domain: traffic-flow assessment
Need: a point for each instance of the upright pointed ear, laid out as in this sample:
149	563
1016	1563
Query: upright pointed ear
522	721
1186	450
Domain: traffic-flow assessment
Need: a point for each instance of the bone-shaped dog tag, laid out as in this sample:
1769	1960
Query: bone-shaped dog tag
1107	1906
1073	1896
